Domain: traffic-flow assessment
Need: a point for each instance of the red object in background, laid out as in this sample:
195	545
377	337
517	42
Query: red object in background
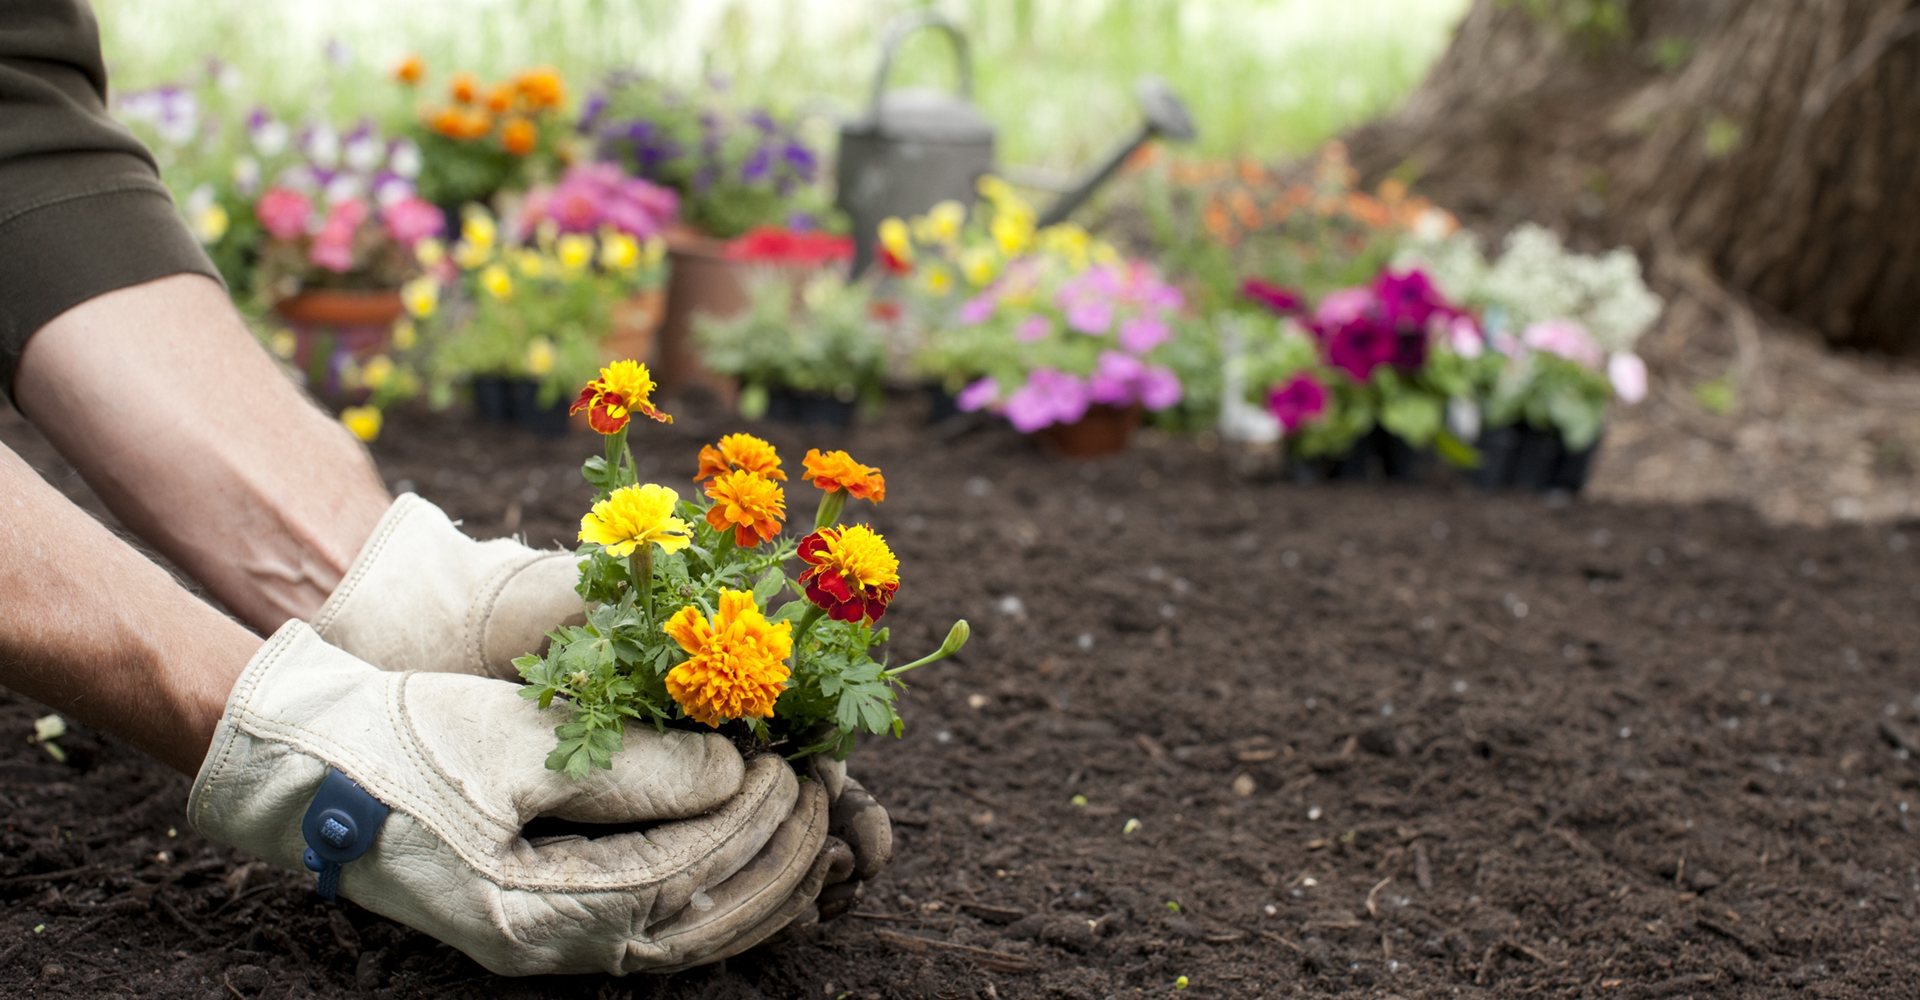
885	310
894	265
773	245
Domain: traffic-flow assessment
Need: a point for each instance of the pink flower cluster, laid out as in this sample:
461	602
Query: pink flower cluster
592	195
287	215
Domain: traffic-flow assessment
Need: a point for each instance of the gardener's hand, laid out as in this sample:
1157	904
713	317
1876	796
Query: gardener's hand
422	595
731	851
862	822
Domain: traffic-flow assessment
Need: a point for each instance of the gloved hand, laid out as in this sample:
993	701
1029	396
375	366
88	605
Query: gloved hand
736	852
421	595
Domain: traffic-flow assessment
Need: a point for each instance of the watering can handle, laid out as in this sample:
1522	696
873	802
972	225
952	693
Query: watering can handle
898	33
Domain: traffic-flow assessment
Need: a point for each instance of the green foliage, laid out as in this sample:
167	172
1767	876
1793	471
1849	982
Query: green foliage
1719	396
1596	24
1549	392
820	337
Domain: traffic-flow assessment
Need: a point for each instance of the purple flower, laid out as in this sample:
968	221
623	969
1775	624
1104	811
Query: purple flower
1090	315
979	395
1049	397
801	222
800	159
759	162
977	310
1143	333
1034	328
1297	402
1409	300
1360	346
590	113
762	121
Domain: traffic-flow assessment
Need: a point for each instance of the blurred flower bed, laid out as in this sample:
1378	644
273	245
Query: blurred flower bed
477	233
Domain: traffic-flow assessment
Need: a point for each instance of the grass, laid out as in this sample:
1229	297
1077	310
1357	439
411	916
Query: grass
1269	79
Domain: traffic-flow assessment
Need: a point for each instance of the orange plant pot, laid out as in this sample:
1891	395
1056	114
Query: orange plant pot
701	280
342	308
1103	431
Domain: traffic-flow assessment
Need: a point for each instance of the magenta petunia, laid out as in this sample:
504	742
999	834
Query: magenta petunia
1298	401
1282	301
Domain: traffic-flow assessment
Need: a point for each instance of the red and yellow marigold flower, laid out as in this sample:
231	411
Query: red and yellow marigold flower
852	574
623	388
738	660
750	503
739	451
633	516
836	470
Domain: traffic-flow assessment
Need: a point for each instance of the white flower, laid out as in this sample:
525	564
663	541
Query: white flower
246	174
363	152
270	138
322	145
344	187
1629	376
405	159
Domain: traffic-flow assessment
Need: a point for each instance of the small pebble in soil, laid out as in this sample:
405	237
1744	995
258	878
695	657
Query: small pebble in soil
1132	826
1270	909
1156	574
1243	786
1626	731
1291	559
1655	556
976	701
942	736
979	486
1427	624
1168	610
1116	514
1313	813
1011	605
1459	687
1085	641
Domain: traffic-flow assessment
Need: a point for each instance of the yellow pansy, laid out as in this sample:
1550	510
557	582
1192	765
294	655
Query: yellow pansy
405	334
421	296
540	357
479	230
378	371
363	421
496	281
979	264
430	252
618	251
575	251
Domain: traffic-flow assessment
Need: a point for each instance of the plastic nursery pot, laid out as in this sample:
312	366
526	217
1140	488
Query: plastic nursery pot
1523	458
700	279
792	406
1375	457
516	401
1103	431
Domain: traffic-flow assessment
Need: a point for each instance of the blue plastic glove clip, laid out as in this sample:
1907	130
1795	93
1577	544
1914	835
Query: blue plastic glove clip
340	826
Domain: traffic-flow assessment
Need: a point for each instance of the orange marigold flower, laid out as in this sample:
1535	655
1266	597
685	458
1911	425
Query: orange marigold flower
836	470
463	87
411	69
465	124
499	98
738	663
753	504
540	88
518	136
739	451
852	574
623	388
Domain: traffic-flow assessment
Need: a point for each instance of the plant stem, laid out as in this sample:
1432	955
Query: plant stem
807	618
642	563
956	638
830	507
616	447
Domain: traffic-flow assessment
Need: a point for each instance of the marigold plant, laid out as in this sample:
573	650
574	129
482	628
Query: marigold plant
686	624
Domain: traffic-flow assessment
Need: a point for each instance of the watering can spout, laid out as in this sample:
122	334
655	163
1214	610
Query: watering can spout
1165	116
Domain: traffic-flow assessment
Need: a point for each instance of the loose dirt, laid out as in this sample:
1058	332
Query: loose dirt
1370	741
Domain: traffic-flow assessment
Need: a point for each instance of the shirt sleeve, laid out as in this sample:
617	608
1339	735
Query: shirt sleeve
82	209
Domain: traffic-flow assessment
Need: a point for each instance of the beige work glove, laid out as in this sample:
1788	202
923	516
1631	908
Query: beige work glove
857	819
421	595
736	851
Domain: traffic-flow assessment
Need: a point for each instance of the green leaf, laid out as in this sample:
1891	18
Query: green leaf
1414	417
769	587
790	611
1455	451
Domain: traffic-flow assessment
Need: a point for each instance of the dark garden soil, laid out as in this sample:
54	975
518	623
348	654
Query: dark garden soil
1410	741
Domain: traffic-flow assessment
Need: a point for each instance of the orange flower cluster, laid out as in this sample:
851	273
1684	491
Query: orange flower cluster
748	502
737	660
508	109
837	470
1243	198
739	451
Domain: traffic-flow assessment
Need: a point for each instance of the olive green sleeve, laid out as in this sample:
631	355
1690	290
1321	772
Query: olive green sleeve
82	209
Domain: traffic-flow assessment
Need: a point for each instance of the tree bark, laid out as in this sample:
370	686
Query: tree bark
1784	150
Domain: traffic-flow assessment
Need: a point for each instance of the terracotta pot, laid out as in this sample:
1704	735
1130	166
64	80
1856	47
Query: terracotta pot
1103	431
636	324
337	307
701	279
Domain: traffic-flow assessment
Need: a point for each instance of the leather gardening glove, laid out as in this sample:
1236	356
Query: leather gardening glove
856	818
421	595
735	850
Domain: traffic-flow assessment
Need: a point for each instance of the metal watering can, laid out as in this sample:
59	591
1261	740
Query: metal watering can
917	147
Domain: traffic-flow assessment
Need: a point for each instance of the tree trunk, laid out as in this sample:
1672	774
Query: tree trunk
1780	143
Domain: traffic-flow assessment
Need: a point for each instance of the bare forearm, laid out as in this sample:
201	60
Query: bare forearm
159	396
94	629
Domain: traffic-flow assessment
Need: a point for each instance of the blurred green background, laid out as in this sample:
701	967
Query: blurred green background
1263	77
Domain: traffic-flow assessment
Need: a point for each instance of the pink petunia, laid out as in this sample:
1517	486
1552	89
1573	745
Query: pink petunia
1049	397
1629	376
979	395
1144	333
1033	329
1090	315
1567	339
977	310
283	213
411	220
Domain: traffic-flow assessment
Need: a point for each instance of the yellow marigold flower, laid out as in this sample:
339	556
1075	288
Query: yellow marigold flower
430	252
851	573
897	241
575	251
540	357
479	230
836	470
470	256
421	295
739	451
634	516
363	421
377	371
623	388
748	501
405	334
618	251
979	264
496	281
738	660
1012	231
